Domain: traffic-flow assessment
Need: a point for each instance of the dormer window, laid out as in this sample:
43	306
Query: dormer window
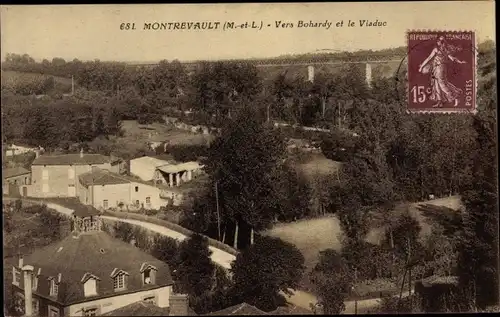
148	274
90	284
119	279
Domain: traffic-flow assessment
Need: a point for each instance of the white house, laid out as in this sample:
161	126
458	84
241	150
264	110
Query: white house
144	167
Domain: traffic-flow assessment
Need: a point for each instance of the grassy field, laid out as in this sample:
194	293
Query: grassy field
13	78
310	237
313	236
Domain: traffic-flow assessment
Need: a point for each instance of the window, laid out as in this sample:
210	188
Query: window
90	312
26	181
119	282
45	173
137	202
150	299
15	181
53	311
16	276
71	173
148	200
54	288
90	287
45	188
136	189
149	276
35	306
105	203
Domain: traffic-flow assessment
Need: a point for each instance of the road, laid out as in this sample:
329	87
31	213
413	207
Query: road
224	259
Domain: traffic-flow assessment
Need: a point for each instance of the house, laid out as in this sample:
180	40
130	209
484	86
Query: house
176	174
104	189
13	150
57	175
88	273
15	178
144	167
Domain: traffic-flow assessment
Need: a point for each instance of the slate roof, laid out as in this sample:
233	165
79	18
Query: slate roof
101	177
139	309
14	171
96	253
71	159
240	309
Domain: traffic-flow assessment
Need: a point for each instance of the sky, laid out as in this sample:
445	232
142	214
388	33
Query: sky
89	32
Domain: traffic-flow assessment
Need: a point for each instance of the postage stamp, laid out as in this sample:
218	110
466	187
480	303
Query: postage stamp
441	71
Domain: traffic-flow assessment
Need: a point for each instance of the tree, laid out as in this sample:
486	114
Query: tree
264	269
166	249
195	270
332	281
242	161
99	127
478	244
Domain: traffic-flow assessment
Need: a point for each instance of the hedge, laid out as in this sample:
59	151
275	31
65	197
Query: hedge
172	226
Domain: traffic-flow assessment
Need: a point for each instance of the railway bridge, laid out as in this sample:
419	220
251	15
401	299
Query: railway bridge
309	64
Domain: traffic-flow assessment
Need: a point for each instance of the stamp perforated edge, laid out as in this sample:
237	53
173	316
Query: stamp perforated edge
446	111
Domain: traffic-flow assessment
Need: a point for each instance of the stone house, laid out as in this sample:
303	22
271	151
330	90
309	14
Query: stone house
88	273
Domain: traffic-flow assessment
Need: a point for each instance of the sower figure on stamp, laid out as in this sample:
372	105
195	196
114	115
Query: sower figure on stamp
442	90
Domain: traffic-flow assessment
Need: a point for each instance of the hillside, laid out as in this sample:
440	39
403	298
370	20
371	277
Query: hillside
33	83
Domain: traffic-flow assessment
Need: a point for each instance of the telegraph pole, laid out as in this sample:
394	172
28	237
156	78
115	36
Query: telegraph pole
72	85
218	214
355	293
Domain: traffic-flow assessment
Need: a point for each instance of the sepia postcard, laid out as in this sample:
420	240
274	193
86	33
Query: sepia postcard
249	159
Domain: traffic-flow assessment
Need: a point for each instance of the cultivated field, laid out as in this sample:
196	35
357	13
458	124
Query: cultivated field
157	132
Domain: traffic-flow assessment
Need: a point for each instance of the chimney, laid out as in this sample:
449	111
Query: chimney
179	304
37	153
21	261
81	152
28	291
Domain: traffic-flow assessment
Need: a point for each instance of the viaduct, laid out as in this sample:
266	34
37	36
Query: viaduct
310	65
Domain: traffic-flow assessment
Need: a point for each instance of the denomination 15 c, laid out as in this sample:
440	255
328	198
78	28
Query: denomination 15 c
127	26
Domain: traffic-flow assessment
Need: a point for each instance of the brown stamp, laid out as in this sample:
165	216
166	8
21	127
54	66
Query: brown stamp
441	71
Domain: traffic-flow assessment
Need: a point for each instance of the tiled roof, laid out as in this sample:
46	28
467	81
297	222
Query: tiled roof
188	166
240	309
96	253
139	309
15	171
152	161
291	310
101	177
71	159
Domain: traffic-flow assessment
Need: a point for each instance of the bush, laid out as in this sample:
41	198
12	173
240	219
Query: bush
165	249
